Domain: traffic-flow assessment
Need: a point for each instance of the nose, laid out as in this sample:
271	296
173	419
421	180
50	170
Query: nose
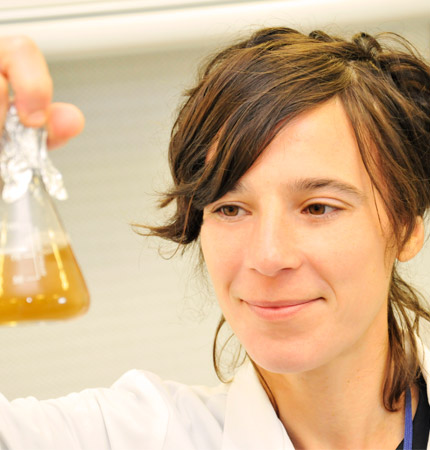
274	245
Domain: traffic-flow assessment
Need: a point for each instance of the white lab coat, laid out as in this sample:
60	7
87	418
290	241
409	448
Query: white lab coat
140	411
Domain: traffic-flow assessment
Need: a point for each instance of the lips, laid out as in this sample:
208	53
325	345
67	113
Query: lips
278	304
277	310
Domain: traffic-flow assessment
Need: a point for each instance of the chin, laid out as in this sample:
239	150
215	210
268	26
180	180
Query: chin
284	366
294	357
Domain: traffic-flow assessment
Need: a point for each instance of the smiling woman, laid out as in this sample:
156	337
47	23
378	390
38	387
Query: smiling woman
302	164
301	168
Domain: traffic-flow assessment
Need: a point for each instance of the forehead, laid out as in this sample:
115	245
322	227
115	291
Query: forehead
317	144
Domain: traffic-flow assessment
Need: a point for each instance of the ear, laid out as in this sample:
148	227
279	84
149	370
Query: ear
414	243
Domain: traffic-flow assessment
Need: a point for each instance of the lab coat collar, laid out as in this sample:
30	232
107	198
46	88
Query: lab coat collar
250	420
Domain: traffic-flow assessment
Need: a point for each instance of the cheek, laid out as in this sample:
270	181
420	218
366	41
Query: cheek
356	264
222	253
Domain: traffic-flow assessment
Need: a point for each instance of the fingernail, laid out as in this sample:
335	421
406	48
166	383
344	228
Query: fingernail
36	119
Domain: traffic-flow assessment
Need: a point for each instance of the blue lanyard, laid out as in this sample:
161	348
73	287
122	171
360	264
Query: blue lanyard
407	441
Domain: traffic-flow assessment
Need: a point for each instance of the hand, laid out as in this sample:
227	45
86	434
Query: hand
23	67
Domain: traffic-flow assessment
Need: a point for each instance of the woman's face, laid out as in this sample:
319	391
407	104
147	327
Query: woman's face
298	251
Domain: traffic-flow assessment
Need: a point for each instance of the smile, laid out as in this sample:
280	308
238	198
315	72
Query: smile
279	310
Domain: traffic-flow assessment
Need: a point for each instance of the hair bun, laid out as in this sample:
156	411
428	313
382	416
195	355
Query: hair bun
367	44
321	36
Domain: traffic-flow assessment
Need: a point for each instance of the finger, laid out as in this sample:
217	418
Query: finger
64	122
24	66
4	100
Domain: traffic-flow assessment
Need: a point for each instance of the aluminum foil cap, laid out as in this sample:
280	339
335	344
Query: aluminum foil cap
23	153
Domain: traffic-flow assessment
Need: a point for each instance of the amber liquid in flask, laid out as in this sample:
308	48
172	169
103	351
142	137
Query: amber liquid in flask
39	276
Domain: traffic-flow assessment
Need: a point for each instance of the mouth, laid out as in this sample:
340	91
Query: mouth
278	310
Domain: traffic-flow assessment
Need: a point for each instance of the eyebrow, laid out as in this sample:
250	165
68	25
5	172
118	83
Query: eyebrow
313	184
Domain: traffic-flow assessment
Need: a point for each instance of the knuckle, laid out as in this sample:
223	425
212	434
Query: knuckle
39	93
36	84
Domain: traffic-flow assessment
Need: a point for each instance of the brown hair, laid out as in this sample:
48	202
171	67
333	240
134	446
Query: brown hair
249	90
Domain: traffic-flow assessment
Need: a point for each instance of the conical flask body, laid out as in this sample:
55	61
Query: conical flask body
39	276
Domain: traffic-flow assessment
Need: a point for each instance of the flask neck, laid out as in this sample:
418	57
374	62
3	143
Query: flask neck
23	154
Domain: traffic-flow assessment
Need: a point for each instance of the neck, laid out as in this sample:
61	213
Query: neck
339	405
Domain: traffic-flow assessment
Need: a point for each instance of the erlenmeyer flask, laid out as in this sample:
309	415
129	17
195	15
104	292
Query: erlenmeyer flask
39	276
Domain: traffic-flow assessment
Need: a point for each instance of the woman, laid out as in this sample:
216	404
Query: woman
300	166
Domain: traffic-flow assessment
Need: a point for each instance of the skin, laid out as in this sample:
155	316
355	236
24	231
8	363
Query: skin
24	71
274	243
300	262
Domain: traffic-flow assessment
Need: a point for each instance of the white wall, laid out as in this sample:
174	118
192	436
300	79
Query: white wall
146	312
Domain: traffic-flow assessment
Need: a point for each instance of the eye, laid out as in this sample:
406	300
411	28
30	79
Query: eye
228	210
319	209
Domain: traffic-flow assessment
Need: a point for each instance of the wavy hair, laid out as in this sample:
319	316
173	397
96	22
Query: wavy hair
247	90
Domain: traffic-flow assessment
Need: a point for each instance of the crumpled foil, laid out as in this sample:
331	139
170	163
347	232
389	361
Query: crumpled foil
23	152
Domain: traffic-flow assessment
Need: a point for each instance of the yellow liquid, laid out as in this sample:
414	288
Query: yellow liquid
49	290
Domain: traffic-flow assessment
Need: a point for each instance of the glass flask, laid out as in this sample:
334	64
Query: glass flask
39	276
